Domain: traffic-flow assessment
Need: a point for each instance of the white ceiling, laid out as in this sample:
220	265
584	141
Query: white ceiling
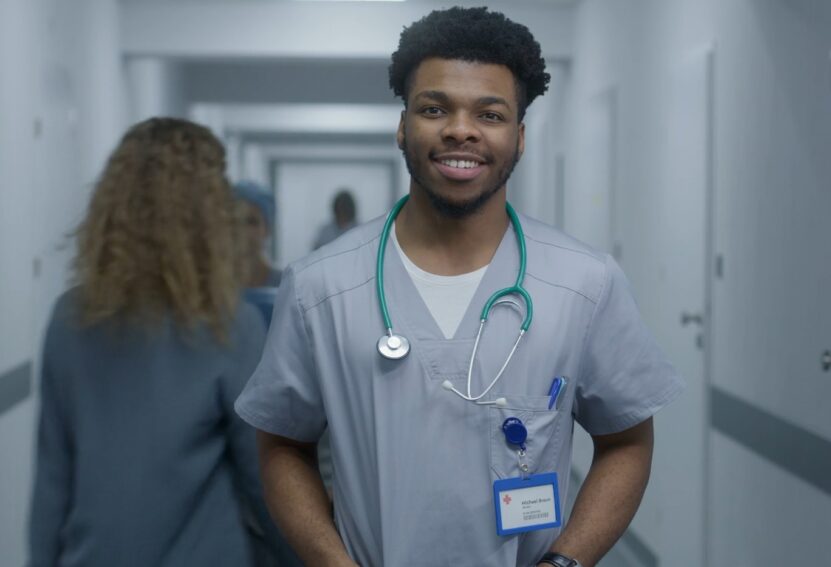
437	2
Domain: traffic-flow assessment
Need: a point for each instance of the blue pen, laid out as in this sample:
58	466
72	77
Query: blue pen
557	386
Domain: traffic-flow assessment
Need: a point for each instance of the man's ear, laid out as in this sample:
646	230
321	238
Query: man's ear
399	135
520	144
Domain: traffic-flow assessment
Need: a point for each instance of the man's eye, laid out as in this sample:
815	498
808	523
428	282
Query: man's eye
492	117
432	111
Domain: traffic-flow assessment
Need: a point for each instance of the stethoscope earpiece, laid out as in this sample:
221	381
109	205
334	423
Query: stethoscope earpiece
498	402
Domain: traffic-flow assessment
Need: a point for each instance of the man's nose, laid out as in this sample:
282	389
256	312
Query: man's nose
460	127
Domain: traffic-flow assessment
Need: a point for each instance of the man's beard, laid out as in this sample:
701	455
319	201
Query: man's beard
462	210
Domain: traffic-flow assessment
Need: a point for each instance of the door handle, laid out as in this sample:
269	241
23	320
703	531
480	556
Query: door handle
687	318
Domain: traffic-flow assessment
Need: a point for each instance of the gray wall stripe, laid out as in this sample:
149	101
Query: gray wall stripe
633	544
15	386
797	450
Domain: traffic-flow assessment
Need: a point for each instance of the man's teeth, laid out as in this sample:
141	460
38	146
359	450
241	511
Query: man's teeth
462	164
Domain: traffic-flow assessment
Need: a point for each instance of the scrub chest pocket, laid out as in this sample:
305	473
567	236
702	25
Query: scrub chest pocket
544	436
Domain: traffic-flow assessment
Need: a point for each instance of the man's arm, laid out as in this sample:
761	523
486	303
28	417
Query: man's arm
610	495
298	501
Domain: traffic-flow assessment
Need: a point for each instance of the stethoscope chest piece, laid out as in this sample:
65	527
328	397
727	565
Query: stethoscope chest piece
393	347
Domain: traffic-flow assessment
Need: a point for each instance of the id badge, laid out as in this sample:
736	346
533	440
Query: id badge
526	504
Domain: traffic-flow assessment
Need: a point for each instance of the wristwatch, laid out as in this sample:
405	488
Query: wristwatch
559	560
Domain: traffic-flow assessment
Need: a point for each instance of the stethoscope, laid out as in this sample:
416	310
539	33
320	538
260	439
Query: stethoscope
394	346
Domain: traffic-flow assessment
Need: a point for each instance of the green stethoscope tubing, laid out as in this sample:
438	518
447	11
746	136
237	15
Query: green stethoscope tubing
514	289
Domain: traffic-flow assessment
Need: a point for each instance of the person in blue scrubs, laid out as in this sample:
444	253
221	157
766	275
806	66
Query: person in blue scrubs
344	216
254	215
451	441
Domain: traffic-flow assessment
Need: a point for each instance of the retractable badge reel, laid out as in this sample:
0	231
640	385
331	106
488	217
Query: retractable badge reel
516	434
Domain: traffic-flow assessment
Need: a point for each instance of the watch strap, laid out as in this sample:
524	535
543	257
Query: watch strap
559	560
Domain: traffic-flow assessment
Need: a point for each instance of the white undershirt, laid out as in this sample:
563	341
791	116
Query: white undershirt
447	297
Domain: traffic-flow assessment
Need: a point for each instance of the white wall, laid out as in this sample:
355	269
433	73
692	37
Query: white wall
533	186
770	319
61	110
772	223
154	88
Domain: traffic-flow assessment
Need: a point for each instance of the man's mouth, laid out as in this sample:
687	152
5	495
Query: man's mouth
459	167
461	164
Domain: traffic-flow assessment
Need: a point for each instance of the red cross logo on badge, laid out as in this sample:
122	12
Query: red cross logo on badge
506	499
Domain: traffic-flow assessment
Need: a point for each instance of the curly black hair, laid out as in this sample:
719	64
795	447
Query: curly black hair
476	35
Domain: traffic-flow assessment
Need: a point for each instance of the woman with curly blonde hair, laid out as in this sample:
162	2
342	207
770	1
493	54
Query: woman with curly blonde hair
139	449
158	236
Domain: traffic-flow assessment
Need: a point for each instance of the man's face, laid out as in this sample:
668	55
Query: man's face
460	134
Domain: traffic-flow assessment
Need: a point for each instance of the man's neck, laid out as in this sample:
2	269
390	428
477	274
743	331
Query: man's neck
448	246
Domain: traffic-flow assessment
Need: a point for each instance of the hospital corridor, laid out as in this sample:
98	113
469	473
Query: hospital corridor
237	150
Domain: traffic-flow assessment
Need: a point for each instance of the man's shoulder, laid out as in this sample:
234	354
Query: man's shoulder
345	248
555	240
559	259
343	264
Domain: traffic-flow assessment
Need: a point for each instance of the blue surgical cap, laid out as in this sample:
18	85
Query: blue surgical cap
258	196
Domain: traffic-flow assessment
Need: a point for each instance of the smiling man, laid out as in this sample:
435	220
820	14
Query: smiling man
451	433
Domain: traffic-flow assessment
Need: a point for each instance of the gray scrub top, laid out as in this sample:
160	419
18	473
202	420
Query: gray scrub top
414	464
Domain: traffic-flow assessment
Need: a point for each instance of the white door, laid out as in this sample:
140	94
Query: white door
672	515
304	192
